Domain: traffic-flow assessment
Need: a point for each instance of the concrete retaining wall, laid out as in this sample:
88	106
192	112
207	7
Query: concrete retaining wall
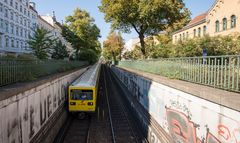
183	117
28	116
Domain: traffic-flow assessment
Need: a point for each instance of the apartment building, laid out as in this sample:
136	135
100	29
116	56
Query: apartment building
18	20
221	19
52	25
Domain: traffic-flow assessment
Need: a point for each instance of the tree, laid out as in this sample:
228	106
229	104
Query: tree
41	43
59	50
83	34
146	17
112	47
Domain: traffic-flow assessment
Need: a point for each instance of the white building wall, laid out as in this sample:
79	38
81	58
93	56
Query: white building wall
17	23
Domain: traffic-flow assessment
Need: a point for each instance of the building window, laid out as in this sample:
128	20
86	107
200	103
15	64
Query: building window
194	33
11	15
204	30
17	18
12	43
21	20
0	41
17	45
187	35
224	23
199	32
21	44
21	32
183	36
11	2
6	12
25	33
176	38
217	26
180	37
21	10
6	28
25	11
1	7
1	23
233	21
25	22
12	29
16	5
17	31
7	42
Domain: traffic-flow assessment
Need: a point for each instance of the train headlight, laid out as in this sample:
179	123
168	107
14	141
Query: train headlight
72	103
90	103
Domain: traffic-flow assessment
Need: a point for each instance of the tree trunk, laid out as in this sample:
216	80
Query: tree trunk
142	42
114	57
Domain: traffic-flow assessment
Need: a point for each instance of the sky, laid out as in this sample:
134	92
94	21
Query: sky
64	8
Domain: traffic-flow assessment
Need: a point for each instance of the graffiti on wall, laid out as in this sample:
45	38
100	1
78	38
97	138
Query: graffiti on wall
21	119
186	118
183	130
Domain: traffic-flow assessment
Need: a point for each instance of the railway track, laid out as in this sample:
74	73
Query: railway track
74	131
122	126
111	123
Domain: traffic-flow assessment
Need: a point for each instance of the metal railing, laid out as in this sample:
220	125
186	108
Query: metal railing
216	71
12	71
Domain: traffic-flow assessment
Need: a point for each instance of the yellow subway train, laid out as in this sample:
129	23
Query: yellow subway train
82	93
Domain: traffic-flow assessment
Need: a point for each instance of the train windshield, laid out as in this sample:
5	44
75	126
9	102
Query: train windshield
77	94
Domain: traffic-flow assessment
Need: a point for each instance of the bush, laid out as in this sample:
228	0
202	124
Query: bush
220	45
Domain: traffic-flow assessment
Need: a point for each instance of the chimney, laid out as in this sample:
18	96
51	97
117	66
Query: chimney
54	17
33	5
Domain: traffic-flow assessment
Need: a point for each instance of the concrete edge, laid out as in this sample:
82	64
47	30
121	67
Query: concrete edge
221	97
15	89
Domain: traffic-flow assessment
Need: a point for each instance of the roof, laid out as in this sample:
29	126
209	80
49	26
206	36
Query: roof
194	22
198	18
89	78
39	16
216	1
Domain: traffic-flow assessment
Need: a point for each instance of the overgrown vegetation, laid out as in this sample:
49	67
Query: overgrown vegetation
220	45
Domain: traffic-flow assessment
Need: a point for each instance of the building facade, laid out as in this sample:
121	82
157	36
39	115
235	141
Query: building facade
18	20
220	19
56	30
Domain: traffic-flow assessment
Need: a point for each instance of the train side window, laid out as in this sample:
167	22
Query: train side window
77	94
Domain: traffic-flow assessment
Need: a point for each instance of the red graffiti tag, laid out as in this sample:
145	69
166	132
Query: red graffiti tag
181	129
236	134
211	138
224	132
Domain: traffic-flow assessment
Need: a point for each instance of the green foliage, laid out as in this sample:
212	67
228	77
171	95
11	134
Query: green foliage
83	34
135	54
220	45
146	17
41	43
89	54
112	47
59	51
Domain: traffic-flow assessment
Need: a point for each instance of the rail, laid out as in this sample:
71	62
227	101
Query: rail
109	110
12	71
216	71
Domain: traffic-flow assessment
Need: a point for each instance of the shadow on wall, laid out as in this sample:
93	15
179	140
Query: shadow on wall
170	115
134	95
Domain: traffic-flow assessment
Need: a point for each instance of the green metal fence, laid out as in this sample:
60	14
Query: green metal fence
216	71
12	71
